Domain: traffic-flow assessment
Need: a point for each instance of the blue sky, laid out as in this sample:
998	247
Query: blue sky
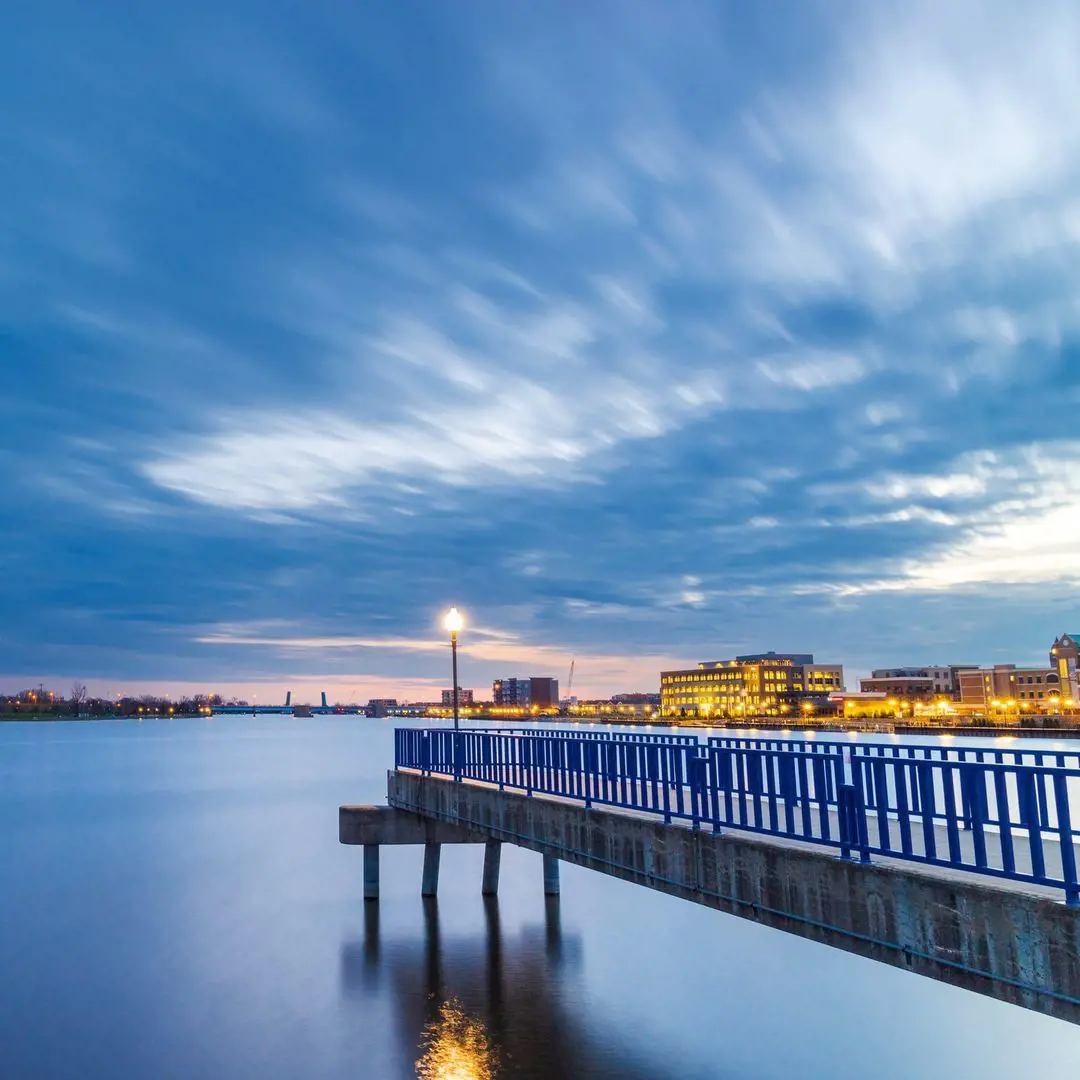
645	333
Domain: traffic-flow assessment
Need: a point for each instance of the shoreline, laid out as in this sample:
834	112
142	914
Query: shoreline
769	727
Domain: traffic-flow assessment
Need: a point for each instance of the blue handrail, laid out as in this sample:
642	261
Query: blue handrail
1002	818
880	787
617	736
1000	755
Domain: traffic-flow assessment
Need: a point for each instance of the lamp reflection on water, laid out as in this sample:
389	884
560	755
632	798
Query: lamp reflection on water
456	1047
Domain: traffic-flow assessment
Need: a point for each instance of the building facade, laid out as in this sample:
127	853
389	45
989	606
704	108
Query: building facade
770	684
543	692
636	699
380	706
1065	659
465	697
511	692
917	684
1005	686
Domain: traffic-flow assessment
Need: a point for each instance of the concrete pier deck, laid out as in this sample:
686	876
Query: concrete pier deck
1002	939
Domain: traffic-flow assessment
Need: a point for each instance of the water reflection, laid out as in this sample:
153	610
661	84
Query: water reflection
491	1006
456	1047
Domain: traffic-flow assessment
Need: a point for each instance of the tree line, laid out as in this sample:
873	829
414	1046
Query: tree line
42	703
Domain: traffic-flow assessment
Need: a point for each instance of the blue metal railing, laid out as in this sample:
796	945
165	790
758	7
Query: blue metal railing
1005	818
880	786
1000	755
594	733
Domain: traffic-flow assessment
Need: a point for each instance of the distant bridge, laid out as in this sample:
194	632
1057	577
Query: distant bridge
956	863
289	709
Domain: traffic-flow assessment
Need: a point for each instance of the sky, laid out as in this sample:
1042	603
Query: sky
644	333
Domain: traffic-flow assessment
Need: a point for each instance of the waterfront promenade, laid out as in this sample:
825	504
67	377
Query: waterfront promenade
957	864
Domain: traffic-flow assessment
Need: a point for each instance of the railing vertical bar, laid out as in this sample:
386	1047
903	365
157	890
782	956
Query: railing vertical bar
977	808
1065	838
1029	800
881	787
903	817
804	801
1004	816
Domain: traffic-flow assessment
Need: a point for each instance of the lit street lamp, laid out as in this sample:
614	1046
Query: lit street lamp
454	622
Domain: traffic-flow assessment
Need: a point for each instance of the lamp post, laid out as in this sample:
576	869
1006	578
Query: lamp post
453	622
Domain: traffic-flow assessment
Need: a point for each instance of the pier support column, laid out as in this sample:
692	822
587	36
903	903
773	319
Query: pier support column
371	871
429	886
551	875
492	859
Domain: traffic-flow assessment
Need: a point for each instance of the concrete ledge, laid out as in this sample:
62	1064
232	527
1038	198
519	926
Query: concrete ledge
385	825
1003	942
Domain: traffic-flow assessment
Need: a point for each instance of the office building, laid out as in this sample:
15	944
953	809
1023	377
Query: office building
1007	686
636	699
380	706
513	692
465	697
543	692
759	684
916	684
1065	659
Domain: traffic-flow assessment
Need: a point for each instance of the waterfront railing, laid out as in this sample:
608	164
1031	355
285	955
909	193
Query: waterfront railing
1004	818
593	733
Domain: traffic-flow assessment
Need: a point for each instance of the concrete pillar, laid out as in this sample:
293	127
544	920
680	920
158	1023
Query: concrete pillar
492	859
371	871
429	886
553	927
551	875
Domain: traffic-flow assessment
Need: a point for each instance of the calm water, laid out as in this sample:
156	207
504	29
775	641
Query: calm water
176	904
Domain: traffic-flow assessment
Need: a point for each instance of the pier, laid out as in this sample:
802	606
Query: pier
960	865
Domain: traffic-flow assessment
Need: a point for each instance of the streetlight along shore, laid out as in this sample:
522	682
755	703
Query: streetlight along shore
454	622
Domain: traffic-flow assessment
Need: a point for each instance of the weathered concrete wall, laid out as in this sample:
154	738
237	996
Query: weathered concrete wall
1005	943
385	825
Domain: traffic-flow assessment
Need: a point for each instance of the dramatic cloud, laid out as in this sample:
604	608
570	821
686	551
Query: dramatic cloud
646	335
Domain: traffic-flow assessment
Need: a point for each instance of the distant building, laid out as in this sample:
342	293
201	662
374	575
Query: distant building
636	699
764	658
544	692
916	683
617	709
760	684
381	706
1065	659
1006	685
465	697
511	692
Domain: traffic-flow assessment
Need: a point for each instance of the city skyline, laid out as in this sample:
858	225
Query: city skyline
640	338
415	689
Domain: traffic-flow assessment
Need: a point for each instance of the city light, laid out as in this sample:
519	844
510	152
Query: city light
456	1047
454	622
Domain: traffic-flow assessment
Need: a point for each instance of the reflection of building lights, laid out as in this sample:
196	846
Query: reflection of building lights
456	1047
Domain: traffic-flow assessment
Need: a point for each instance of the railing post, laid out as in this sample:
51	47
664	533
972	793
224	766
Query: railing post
1065	835
713	779
973	777
844	816
697	766
862	828
585	764
455	751
854	832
